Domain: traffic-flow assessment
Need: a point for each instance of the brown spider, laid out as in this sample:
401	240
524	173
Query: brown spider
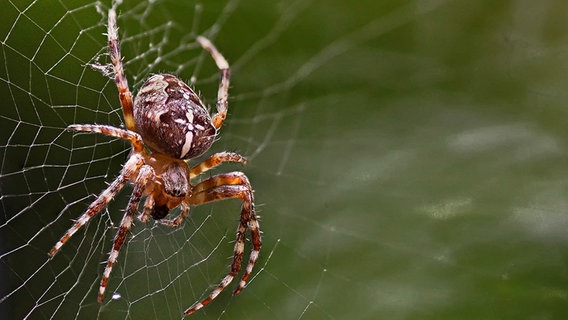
167	125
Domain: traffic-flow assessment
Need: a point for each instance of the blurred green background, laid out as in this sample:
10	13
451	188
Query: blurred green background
408	158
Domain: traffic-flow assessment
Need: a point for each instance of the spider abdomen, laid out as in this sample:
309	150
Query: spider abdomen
171	118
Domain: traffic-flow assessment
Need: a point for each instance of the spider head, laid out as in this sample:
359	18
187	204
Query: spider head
171	118
173	184
175	180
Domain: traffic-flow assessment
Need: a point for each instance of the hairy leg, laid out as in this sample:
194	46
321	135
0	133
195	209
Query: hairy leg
215	160
223	92
146	172
226	186
122	84
134	138
129	169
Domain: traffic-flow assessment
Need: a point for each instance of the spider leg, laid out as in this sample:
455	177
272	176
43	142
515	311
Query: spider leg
102	200
225	186
146	172
111	131
148	206
175	222
214	161
114	51
223	92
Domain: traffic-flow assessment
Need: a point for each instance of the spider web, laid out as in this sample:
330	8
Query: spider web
407	159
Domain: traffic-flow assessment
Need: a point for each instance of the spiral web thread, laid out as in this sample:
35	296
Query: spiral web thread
55	71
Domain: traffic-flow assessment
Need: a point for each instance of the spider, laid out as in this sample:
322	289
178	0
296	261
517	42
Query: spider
167	125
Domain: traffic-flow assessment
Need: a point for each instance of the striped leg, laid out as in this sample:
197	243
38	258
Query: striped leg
214	161
148	206
223	93
102	200
134	138
175	222
114	51
226	186
146	172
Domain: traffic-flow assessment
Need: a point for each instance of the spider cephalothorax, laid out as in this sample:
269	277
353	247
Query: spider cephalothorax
167	125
